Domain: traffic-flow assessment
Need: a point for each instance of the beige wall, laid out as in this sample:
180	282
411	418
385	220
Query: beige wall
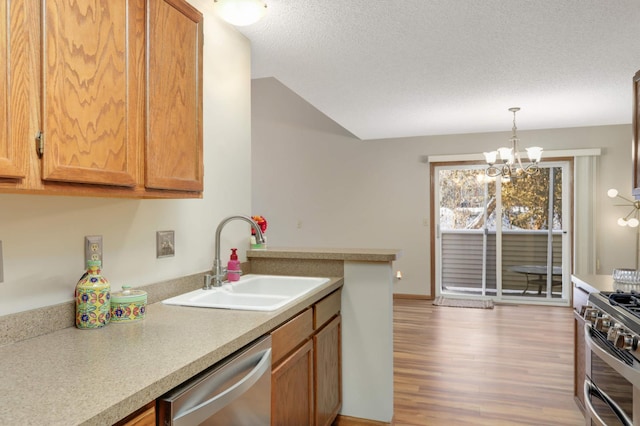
42	236
320	186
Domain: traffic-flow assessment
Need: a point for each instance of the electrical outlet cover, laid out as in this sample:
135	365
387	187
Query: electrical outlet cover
93	248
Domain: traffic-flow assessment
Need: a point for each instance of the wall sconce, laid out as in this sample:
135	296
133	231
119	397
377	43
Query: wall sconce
631	219
398	275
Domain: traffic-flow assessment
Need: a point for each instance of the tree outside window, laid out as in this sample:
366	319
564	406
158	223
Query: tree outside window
525	200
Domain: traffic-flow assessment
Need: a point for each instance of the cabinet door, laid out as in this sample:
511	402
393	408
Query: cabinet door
328	379
173	157
19	48
93	107
292	389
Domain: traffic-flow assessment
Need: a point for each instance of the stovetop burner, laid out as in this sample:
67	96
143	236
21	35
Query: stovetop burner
628	301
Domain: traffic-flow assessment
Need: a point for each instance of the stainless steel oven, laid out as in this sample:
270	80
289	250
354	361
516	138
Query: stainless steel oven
608	394
612	383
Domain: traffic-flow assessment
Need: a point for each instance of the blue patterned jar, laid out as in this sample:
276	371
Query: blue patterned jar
128	305
93	294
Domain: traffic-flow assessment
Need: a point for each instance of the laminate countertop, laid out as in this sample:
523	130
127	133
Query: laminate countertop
97	377
347	254
594	283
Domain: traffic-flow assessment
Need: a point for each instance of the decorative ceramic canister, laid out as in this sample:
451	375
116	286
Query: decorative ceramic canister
128	305
93	294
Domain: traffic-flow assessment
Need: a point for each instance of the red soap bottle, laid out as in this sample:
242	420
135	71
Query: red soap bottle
233	267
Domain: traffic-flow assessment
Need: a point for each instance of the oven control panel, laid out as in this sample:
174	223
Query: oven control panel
616	333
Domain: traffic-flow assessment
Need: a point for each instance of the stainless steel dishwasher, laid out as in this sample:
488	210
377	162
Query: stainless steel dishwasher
234	392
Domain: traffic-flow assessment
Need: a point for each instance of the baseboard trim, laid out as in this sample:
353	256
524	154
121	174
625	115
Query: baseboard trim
356	421
412	296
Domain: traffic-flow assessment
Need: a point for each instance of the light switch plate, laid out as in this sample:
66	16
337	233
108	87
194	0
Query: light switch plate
165	244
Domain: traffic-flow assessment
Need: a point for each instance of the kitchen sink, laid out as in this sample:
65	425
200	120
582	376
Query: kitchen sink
276	285
250	293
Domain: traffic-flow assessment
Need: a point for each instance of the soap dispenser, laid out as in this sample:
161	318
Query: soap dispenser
233	267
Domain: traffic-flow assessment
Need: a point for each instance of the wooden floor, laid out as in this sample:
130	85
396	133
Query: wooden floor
511	365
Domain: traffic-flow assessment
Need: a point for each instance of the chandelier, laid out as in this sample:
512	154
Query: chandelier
510	156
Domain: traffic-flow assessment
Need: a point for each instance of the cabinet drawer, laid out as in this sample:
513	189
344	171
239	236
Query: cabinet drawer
326	309
291	334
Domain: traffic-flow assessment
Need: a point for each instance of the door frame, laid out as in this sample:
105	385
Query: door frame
570	185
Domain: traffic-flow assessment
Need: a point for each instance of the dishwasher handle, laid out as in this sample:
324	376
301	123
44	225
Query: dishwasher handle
220	400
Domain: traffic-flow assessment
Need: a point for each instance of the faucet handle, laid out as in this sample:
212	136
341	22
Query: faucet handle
223	272
207	281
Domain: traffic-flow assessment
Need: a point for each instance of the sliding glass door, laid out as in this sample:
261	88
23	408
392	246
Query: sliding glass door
502	239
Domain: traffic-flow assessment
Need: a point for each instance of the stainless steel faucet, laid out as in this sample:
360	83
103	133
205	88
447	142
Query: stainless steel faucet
218	272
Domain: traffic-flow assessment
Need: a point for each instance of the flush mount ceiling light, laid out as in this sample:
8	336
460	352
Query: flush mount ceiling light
512	163
240	12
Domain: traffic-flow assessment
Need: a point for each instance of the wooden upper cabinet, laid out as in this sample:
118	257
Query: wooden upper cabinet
173	157
114	88
18	86
93	109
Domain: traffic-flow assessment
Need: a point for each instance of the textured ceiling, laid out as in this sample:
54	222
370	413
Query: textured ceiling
397	68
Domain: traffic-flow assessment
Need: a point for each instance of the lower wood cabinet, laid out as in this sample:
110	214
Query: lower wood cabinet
145	416
306	378
327	372
292	388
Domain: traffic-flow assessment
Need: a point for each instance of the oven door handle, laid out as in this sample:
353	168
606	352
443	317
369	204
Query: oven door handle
590	389
626	371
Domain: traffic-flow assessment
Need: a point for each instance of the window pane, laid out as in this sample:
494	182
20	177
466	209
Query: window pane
525	201
462	198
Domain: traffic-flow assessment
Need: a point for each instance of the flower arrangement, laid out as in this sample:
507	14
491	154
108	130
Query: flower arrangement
261	222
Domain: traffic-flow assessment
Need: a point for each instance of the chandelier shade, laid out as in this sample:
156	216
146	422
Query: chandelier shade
511	165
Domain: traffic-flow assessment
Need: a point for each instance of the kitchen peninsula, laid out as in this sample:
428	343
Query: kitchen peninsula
97	377
367	312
